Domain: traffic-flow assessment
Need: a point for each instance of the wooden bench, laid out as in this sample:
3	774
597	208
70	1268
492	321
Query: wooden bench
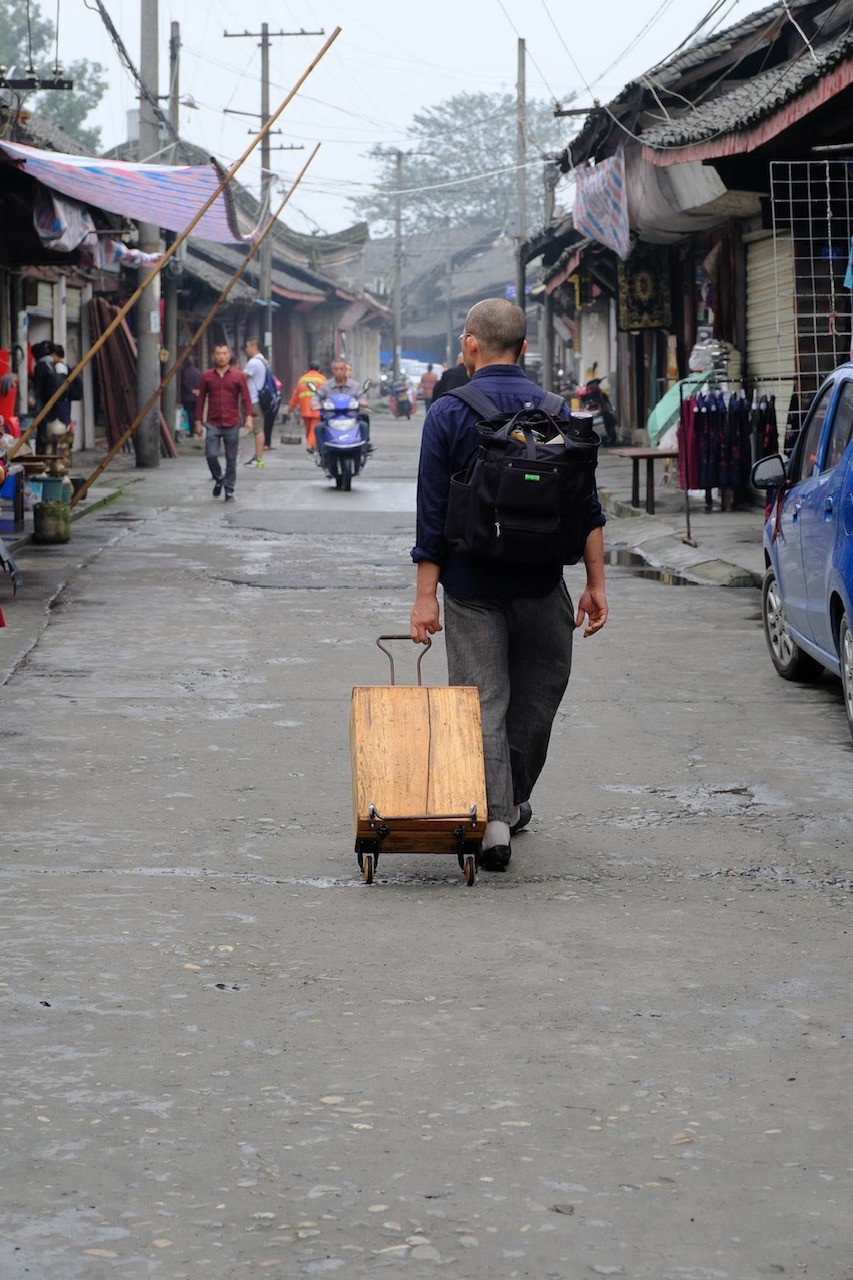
637	455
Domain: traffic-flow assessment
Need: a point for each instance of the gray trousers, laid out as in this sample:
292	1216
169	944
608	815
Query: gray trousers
230	439
519	655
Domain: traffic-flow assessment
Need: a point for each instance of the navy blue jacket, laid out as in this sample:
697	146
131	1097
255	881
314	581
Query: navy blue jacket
448	442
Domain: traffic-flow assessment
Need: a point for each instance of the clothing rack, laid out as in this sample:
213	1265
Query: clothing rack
721	433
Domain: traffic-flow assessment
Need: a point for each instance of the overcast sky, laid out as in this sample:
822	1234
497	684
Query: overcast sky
391	60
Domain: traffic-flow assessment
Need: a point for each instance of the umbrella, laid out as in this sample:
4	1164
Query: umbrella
666	411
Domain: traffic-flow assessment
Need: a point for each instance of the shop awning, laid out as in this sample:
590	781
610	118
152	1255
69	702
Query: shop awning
163	195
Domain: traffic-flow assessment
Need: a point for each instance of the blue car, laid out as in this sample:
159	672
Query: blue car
807	597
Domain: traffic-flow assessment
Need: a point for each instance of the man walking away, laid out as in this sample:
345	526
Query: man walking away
427	386
508	626
303	401
255	370
190	382
221	394
455	376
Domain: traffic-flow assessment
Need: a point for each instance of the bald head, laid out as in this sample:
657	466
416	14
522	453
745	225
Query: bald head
499	328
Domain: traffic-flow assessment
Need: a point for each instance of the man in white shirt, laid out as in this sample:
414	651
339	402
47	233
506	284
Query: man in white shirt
255	370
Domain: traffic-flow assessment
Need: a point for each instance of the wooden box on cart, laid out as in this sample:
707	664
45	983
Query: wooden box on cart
418	782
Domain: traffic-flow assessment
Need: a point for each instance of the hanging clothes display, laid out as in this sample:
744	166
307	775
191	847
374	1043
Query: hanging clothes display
735	445
688	456
765	426
715	439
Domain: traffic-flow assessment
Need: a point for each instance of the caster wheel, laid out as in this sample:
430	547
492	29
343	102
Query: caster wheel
470	869
367	867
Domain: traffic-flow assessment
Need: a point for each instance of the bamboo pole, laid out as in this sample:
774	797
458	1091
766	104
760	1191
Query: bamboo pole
202	328
172	249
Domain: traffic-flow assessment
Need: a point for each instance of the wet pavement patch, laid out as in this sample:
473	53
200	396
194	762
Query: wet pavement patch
622	558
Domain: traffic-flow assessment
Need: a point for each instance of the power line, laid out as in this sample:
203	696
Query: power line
530	55
125	57
656	16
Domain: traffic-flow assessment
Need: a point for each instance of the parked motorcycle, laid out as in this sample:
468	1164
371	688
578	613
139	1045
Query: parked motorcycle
594	399
342	444
400	399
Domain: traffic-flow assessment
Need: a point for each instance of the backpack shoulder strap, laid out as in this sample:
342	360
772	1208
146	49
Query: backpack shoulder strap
475	399
551	403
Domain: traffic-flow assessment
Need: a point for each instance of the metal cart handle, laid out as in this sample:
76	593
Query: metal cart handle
380	645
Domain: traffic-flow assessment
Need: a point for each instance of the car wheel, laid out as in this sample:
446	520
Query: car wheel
845	653
786	655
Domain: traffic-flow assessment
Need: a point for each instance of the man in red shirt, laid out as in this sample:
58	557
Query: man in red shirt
223	389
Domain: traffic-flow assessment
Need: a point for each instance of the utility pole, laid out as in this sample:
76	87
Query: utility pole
521	179
266	179
265	256
170	281
397	302
147	439
552	177
451	336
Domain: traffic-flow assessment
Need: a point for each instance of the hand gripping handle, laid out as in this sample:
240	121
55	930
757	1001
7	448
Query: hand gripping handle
391	657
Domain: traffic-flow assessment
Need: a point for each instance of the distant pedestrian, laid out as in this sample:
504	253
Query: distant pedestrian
44	382
427	386
190	382
62	408
455	376
255	370
303	401
222	392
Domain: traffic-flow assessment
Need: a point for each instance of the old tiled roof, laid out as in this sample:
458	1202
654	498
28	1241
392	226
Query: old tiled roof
216	263
658	106
747	102
37	131
720	43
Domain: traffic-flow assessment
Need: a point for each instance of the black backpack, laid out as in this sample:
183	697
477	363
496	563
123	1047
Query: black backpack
524	498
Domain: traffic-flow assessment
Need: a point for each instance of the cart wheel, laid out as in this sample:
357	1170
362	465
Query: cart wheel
367	859
470	869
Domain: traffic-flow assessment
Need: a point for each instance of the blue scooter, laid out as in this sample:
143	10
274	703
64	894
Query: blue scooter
342	444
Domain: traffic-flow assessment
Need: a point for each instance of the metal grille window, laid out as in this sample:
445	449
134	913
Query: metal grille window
812	207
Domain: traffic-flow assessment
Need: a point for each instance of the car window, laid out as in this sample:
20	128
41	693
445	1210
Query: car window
842	428
807	453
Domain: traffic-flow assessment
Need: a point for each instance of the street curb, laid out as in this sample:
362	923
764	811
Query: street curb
671	554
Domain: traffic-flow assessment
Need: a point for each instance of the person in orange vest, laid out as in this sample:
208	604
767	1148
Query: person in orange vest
303	394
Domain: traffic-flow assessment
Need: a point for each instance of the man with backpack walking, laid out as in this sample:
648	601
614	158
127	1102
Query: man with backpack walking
508	621
266	398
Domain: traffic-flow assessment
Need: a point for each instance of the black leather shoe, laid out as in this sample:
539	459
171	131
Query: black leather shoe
494	859
217	488
525	813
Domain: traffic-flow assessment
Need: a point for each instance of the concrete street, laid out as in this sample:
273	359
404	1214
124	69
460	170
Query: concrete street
224	1055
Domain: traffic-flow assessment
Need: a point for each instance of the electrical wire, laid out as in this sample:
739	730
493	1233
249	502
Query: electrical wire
527	52
656	16
56	44
760	37
126	59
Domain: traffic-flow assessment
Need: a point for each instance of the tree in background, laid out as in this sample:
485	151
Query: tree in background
470	133
21	39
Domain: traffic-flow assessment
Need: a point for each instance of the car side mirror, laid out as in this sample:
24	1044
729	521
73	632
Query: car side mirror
769	473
